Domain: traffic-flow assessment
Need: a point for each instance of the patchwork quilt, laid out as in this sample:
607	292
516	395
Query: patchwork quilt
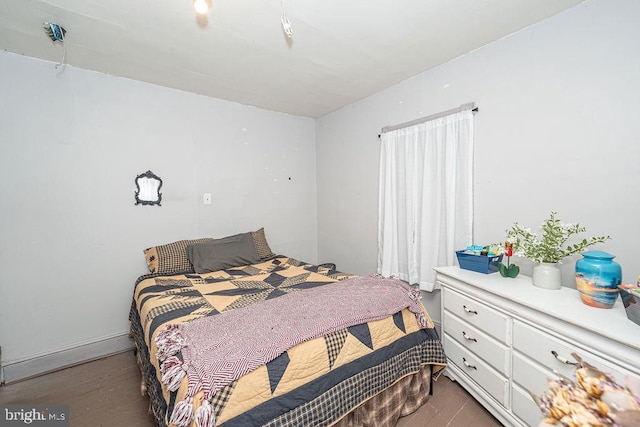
315	382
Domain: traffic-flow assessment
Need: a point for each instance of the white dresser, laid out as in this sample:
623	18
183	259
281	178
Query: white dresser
504	338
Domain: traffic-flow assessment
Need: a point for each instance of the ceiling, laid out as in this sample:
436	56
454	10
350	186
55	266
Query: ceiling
341	50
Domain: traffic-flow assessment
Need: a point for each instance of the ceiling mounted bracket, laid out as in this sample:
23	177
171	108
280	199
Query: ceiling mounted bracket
286	25
56	33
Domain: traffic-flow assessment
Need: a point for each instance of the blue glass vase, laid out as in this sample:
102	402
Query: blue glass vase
597	279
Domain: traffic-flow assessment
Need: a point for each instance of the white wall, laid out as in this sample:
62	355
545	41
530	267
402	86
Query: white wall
557	130
71	143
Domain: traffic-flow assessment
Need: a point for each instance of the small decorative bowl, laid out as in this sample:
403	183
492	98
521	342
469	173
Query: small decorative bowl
630	295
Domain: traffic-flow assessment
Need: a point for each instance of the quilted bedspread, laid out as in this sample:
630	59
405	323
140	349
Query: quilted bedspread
315	382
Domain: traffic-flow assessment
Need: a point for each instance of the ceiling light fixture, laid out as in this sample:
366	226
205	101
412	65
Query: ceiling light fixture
286	25
201	6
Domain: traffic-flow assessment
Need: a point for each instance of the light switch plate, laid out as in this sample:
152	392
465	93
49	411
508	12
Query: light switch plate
206	198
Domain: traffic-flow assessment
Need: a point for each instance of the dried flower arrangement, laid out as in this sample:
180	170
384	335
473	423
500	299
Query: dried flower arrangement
593	399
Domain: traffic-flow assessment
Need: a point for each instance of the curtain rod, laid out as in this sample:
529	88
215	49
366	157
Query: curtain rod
463	107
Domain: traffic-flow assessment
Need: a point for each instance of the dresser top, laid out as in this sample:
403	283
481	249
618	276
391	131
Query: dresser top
564	304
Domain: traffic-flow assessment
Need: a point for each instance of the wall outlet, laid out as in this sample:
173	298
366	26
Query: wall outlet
206	198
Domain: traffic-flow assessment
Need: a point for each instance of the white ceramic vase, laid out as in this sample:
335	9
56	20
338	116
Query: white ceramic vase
547	275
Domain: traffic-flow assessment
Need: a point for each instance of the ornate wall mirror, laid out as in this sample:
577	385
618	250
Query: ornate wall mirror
148	187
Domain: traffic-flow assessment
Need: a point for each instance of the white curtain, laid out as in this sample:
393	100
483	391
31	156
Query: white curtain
426	197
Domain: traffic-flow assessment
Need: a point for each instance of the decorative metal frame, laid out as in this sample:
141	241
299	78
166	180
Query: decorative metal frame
148	175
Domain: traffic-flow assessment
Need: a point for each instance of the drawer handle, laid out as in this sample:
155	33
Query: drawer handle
467	337
469	311
468	365
562	359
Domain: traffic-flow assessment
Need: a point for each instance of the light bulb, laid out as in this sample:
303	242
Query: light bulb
201	6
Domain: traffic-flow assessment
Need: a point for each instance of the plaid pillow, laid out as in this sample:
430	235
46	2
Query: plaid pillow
170	258
262	247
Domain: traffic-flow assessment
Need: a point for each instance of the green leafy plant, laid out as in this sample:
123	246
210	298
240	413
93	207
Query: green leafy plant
552	246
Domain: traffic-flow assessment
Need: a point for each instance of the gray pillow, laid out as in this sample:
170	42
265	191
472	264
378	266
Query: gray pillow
218	254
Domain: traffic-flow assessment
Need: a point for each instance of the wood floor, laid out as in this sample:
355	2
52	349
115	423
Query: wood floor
106	392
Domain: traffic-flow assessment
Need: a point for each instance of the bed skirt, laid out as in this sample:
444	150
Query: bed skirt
401	399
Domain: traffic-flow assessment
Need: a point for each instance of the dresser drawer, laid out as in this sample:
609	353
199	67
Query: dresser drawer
476	341
524	407
477	314
530	375
482	373
549	352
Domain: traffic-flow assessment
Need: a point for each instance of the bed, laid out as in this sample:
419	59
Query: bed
369	369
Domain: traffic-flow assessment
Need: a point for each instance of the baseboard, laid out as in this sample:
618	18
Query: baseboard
35	366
